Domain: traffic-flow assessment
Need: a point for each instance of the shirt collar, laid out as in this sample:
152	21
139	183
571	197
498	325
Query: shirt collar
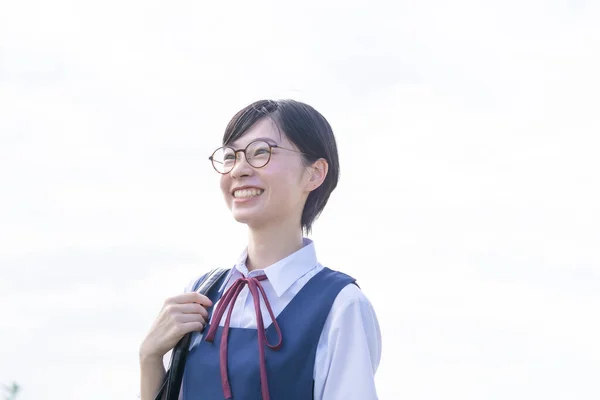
284	272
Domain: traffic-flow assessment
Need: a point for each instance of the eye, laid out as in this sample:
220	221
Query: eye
259	149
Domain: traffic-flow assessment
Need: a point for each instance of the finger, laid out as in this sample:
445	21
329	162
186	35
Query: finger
192	308
193	297
185	318
192	326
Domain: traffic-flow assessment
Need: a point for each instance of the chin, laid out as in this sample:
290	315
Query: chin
246	217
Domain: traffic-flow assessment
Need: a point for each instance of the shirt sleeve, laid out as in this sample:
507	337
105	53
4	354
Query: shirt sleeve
349	349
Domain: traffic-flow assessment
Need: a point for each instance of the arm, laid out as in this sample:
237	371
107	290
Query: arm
349	349
152	374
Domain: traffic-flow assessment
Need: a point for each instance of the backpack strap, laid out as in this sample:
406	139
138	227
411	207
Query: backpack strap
174	376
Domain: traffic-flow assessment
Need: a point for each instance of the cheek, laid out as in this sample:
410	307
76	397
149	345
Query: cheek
225	184
285	183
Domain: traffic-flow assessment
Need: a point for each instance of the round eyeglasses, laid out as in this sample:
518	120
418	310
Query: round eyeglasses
257	153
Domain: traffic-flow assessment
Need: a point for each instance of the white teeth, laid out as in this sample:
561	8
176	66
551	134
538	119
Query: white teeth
246	193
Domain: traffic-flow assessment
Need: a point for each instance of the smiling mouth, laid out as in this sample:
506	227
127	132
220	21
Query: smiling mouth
247	193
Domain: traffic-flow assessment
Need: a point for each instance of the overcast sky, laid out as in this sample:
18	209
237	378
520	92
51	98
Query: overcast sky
468	206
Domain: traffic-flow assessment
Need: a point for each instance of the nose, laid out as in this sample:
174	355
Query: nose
242	167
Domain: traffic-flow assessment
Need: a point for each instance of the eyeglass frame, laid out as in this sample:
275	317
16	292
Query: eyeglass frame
235	153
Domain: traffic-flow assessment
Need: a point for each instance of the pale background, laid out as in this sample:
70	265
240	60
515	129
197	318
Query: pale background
468	206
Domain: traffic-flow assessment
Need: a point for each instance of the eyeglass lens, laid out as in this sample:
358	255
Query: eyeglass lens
257	153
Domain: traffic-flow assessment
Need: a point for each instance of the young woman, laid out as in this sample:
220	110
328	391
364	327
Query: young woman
283	326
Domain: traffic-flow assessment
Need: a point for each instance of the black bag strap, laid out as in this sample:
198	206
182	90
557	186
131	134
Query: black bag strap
171	385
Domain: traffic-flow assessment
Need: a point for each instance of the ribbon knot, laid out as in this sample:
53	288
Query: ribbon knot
229	297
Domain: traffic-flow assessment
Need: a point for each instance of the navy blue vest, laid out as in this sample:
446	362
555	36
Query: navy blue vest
289	369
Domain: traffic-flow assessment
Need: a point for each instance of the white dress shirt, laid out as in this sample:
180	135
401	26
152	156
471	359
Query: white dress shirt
349	347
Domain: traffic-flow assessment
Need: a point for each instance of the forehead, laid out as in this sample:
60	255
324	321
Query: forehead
265	129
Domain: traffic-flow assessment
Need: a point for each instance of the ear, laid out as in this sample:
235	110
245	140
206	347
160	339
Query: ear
318	173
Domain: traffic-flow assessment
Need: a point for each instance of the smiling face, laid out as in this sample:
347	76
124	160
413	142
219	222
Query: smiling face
301	173
275	193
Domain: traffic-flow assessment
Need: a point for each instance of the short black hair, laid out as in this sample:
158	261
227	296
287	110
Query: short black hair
308	130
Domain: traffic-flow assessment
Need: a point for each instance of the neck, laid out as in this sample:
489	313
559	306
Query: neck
271	244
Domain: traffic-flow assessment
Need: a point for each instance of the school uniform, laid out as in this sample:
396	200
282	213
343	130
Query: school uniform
295	330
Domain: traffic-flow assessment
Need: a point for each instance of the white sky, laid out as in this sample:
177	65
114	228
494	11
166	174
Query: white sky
467	208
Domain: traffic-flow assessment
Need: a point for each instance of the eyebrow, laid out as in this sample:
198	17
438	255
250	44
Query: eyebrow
265	139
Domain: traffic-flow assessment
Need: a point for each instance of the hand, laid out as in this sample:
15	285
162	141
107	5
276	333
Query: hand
180	314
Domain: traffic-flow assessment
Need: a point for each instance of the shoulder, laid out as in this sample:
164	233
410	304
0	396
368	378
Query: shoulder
351	299
349	293
193	283
223	274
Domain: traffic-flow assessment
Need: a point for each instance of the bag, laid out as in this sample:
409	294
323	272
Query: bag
171	386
